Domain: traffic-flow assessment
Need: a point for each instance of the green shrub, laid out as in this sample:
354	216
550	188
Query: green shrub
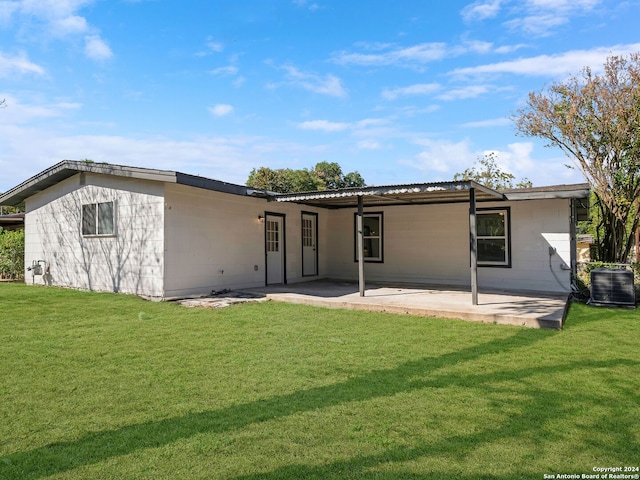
12	254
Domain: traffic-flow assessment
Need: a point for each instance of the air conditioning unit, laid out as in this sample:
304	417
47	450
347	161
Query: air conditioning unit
612	287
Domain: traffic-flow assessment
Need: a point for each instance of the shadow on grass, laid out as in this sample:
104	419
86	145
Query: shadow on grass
530	425
93	448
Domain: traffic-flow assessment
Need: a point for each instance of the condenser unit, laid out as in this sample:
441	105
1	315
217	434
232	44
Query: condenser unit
612	287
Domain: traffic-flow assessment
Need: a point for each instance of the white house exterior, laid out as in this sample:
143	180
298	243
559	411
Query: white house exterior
163	235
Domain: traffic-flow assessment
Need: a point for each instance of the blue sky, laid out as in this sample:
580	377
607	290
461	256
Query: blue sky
402	91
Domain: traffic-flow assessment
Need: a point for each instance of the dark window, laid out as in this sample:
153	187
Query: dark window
372	226
493	238
98	219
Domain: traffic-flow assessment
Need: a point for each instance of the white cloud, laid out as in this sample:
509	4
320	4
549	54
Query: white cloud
444	157
18	112
398	56
215	46
559	65
476	46
18	64
537	25
70	25
212	157
221	110
541	17
324	126
361	127
520	160
96	49
7	9
481	10
562	5
470	91
369	145
211	46
532	17
413	56
57	19
328	85
510	48
418	89
306	4
492	122
227	158
224	71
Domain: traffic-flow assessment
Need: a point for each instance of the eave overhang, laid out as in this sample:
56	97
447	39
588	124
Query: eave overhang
68	168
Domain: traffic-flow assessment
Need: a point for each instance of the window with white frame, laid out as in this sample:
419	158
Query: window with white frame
494	242
372	229
98	219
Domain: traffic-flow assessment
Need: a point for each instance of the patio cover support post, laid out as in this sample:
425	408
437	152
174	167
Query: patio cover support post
473	245
573	239
359	227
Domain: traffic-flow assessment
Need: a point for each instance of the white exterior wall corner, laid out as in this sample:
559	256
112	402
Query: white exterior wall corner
214	241
429	244
131	261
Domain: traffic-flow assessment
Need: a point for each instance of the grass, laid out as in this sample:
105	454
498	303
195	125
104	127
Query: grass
102	386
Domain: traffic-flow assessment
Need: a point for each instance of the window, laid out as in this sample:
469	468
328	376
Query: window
98	219
372	236
273	236
493	228
307	232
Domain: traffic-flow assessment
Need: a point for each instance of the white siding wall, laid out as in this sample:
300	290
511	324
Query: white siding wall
173	240
430	244
131	261
536	225
215	241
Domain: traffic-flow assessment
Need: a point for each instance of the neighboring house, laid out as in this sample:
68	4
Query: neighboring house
12	221
163	234
585	244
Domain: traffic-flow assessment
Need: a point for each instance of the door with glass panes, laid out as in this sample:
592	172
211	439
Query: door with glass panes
274	247
309	244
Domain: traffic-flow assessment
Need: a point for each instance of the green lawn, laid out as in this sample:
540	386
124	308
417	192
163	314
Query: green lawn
103	386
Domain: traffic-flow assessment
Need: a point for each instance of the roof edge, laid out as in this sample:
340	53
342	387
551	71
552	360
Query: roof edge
575	190
388	189
67	168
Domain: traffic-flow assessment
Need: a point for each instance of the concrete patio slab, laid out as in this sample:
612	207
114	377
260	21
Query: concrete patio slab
523	309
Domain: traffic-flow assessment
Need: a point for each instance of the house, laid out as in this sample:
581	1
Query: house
165	234
12	221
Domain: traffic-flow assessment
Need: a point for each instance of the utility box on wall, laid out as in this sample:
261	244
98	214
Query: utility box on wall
612	287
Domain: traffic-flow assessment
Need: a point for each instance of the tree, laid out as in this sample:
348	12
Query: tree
3	103
11	254
487	172
284	180
324	176
595	120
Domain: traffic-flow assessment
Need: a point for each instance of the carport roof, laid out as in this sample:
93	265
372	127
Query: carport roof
428	193
411	194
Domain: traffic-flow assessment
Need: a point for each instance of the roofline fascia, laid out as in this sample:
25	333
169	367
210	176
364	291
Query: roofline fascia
77	166
567	194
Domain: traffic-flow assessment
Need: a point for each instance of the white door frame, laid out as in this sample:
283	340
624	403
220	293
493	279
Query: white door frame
309	244
275	271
